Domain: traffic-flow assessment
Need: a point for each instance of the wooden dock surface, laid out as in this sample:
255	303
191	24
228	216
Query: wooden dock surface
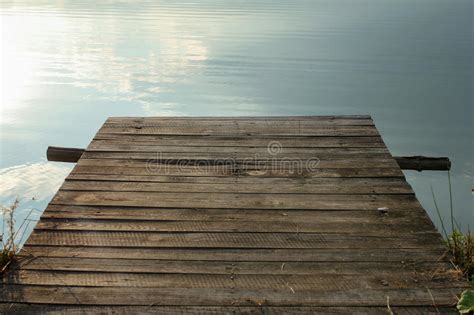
256	215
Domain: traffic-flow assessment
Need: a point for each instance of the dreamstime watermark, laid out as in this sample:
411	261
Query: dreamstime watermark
271	162
274	148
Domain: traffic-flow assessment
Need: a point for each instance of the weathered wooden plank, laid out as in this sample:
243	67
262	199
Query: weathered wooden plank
295	165
291	121
183	296
205	220
217	310
337	131
401	255
238	118
293	283
247	180
238	126
431	270
219	158
246	125
177	170
234	201
392	218
242	123
243	141
288	128
369	229
275	150
336	187
230	240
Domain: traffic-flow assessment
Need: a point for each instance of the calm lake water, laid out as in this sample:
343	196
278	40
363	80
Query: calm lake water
68	65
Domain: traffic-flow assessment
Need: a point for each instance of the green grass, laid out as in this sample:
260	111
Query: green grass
466	302
10	235
460	251
460	245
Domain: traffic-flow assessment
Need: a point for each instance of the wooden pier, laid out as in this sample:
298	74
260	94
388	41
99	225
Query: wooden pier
255	215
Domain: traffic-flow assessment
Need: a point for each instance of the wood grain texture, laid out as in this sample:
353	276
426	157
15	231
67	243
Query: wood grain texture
226	215
241	141
234	201
293	282
27	309
230	240
424	270
130	225
218	296
401	255
336	186
154	170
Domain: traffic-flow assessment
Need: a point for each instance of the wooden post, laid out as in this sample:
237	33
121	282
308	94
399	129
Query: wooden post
423	163
58	154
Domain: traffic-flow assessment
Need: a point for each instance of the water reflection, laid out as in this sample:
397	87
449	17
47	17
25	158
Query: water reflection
68	65
109	66
33	186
